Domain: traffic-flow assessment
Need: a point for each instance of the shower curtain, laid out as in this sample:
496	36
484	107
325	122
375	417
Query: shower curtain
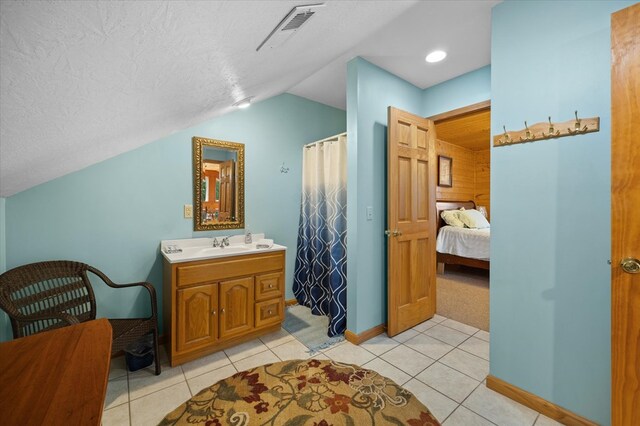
320	277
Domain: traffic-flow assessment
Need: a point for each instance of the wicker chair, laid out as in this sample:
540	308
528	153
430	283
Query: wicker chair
46	295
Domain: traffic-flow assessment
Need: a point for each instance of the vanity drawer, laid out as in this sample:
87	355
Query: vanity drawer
269	312
269	286
231	267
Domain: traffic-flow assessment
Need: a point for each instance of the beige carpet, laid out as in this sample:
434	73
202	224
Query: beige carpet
463	295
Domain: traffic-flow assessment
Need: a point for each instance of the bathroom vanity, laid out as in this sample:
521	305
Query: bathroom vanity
214	298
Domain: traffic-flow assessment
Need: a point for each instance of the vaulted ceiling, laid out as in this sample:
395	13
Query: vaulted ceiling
85	81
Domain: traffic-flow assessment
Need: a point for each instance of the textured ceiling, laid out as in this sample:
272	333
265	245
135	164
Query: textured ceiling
84	81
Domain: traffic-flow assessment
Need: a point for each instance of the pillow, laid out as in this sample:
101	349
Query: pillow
473	219
450	217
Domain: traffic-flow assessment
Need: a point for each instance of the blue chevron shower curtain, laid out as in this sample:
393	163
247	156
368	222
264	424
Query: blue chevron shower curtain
320	277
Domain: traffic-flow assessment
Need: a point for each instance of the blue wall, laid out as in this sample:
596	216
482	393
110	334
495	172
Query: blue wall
370	91
467	89
4	321
550	204
113	215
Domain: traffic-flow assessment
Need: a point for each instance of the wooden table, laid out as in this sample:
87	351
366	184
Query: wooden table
58	377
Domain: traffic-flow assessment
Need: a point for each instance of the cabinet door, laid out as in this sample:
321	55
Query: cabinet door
197	317
236	307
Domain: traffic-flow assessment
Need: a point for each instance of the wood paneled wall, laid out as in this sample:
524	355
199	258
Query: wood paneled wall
471	170
483	172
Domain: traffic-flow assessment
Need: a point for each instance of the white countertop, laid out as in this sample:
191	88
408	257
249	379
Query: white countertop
202	248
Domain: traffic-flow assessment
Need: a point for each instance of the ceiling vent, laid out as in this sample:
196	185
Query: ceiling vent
291	23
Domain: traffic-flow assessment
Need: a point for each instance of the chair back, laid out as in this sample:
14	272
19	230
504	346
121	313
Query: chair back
59	286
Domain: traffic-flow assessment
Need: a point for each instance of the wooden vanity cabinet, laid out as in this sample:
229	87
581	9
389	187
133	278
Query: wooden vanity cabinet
209	305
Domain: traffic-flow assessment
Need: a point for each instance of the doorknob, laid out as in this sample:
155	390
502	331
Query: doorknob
387	232
630	265
396	233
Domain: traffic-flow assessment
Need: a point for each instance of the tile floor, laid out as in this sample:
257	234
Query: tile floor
441	361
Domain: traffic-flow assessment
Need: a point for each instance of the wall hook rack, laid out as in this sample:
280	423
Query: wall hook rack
284	169
542	131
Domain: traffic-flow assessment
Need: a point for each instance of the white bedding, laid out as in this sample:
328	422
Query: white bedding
464	242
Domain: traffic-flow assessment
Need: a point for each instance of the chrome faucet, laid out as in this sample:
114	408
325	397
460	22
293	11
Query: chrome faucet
216	243
224	242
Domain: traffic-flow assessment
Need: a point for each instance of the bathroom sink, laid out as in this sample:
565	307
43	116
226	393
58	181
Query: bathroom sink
214	251
202	248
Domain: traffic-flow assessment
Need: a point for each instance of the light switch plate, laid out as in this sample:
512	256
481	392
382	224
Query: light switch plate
369	213
188	211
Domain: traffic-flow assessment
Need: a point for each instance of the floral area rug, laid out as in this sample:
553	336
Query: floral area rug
303	393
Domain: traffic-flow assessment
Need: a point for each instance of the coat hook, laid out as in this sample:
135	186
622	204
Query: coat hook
527	135
507	138
284	169
552	131
577	128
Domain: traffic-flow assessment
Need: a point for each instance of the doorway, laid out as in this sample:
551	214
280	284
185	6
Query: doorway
462	282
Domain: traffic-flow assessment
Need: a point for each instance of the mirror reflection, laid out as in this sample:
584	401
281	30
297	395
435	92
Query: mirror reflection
219	192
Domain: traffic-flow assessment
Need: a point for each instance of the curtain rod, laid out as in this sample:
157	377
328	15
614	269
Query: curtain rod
330	138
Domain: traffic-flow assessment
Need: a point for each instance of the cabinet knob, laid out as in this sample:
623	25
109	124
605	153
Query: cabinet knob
213	312
222	311
270	311
270	285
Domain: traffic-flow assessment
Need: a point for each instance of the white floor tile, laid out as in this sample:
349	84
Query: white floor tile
423	326
196	384
321	356
380	344
152	408
291	350
387	370
467	329
117	392
465	417
499	409
408	360
439	405
429	346
404	336
144	382
448	381
466	363
447	335
277	338
245	350
118	416
350	354
253	361
484	335
438	318
546	421
205	364
118	368
476	346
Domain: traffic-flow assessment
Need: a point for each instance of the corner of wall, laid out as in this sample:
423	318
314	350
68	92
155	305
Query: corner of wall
466	89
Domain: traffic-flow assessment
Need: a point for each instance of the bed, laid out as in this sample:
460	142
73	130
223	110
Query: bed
461	246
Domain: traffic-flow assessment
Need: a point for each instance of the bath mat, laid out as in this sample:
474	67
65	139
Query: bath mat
309	329
303	393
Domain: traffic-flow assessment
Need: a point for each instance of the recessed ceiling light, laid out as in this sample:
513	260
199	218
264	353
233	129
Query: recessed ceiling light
436	56
244	103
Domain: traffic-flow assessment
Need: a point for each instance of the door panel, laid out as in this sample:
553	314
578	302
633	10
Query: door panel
625	220
197	317
411	205
236	307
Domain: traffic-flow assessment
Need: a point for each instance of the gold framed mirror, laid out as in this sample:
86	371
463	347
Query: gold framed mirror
218	184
